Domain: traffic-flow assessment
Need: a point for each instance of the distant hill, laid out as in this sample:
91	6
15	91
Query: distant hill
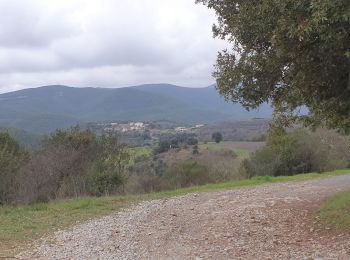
44	109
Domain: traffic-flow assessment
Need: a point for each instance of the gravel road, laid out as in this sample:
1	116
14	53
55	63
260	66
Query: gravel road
273	221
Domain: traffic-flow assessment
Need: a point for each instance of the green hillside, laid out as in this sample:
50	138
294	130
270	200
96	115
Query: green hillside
44	109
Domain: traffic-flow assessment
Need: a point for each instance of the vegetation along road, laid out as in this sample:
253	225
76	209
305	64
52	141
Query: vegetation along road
276	220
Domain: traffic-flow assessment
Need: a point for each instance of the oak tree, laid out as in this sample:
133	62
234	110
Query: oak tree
292	53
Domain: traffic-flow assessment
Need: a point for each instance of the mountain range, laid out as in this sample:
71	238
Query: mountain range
44	109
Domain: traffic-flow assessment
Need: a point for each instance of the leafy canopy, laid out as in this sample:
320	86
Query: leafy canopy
293	53
12	155
217	137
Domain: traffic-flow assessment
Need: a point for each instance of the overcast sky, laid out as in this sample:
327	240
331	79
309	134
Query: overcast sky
105	43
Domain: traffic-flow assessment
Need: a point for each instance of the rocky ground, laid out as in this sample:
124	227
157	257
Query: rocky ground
273	221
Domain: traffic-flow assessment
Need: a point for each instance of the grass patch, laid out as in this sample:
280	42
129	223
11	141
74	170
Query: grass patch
241	152
230	145
20	226
336	211
139	151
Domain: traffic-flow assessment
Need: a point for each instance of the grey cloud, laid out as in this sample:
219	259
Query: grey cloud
105	43
28	24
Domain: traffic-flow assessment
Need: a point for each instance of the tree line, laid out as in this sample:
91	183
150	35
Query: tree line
77	162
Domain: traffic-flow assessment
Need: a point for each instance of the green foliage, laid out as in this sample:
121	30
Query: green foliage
104	178
175	141
106	174
144	175
187	173
192	141
139	152
73	163
217	137
74	138
292	153
12	157
163	147
24	138
294	53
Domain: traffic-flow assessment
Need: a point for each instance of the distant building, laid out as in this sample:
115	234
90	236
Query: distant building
126	127
181	129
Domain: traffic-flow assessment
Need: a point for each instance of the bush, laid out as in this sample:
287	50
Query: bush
192	141
338	147
184	174
163	147
217	137
73	163
12	157
144	175
292	153
104	178
175	141
195	150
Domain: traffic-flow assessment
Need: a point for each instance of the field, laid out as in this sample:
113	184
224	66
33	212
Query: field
207	151
22	225
139	151
241	149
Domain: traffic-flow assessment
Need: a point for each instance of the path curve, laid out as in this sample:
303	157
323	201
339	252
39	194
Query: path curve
272	221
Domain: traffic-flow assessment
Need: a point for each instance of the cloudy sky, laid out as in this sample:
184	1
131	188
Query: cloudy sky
105	43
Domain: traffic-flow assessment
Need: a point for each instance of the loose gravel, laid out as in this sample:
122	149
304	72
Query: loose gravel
273	221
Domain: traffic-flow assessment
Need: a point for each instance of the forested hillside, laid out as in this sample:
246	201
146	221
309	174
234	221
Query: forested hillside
44	109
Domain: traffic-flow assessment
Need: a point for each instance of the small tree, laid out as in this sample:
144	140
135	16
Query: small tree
107	174
12	157
217	137
192	141
162	147
185	174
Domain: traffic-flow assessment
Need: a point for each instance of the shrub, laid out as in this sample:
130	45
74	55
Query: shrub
285	153
195	150
12	157
217	137
162	147
73	163
174	141
145	175
104	178
192	141
184	174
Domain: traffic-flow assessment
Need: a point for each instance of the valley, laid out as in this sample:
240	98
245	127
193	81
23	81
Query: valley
203	129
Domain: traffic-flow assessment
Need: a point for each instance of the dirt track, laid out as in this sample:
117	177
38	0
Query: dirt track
273	221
